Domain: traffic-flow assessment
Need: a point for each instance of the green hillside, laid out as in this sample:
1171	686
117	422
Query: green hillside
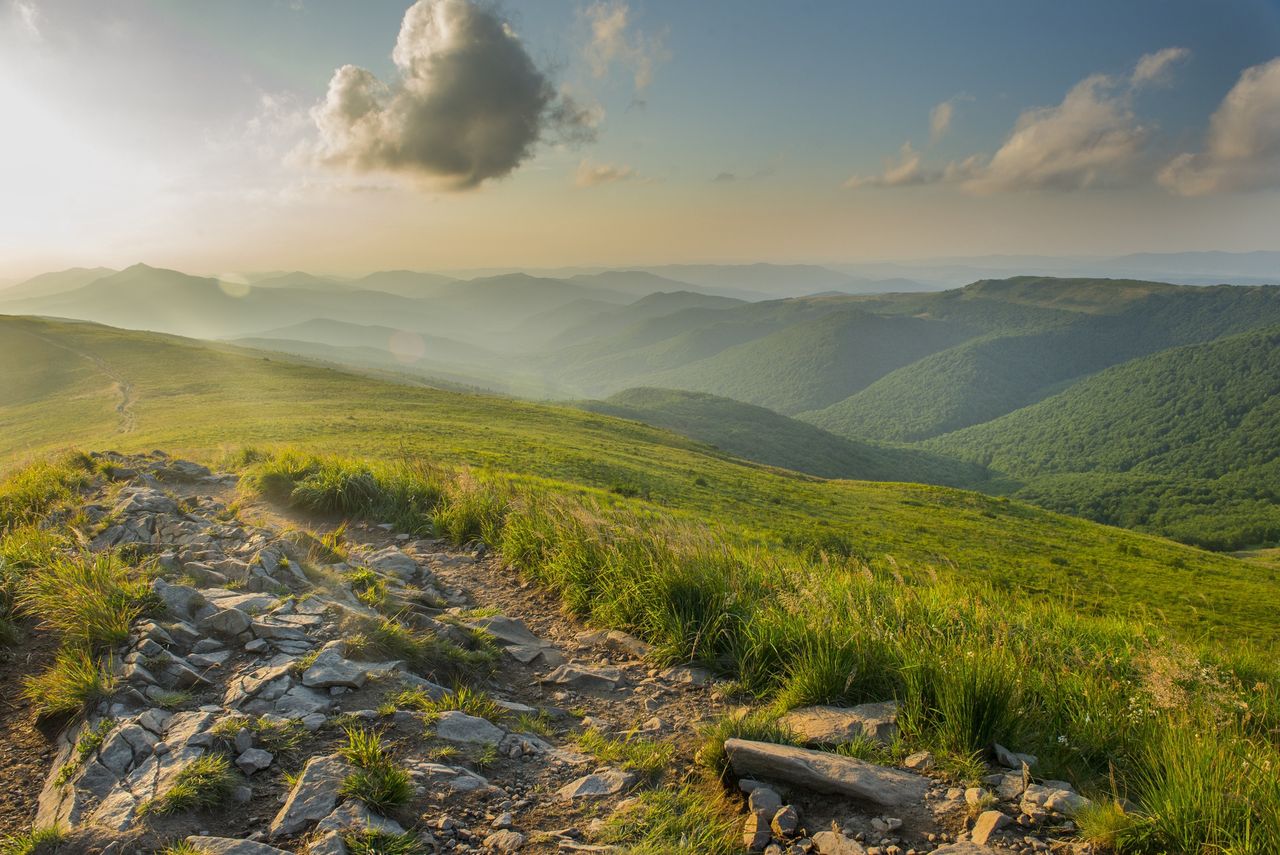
90	386
1182	442
759	434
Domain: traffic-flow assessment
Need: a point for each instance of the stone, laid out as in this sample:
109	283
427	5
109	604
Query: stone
254	760
785	822
331	669
313	797
504	840
687	675
583	678
596	785
764	800
964	848
182	601
225	623
1012	759
835	843
988	823
826	772
353	815
456	726
392	560
231	846
921	761
756	833
823	725
1007	785
1058	798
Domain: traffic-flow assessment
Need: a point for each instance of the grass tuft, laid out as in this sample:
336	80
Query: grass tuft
206	782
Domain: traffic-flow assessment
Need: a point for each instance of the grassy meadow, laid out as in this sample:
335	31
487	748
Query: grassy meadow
1140	669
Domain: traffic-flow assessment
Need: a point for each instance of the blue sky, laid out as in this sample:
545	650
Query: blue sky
200	122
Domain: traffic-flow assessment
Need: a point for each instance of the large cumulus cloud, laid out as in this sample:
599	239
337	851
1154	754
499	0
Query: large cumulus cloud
1242	151
469	104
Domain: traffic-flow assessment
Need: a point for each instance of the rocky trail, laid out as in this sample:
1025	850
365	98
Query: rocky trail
274	637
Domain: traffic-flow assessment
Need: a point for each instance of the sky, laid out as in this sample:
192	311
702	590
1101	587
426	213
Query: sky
338	137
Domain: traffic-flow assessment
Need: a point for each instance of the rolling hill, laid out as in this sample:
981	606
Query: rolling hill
97	387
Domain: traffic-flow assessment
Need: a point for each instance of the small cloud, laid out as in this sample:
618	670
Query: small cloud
469	104
1242	149
1157	68
940	120
27	15
903	172
615	41
591	174
724	178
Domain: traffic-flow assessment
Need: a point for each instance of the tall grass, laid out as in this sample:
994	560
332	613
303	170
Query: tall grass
969	666
29	493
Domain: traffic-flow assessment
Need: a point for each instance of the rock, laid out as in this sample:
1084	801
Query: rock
313	797
225	623
231	846
822	725
764	800
584	679
392	560
331	669
825	772
181	600
687	675
834	843
1007	785
964	848
607	783
1011	759
786	821
504	840
921	761
1056	798
353	815
987	824
254	760
756	833
456	726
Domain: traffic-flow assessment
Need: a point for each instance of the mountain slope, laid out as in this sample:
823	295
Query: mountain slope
49	284
759	434
193	397
1183	442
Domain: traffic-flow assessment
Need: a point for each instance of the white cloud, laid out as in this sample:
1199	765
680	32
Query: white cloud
1157	68
592	174
615	41
1091	138
940	120
27	16
1242	150
469	105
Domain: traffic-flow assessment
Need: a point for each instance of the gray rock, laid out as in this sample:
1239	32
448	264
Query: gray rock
597	785
964	848
331	669
353	815
456	726
764	800
313	797
687	675
822	725
1012	759
392	560
584	679
231	846
756	833
785	821
834	843
825	772
504	840
254	760
225	623
182	601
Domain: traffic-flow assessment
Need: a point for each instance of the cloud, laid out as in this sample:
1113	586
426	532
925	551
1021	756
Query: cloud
615	42
1091	138
940	120
591	174
1242	149
1157	68
27	16
724	178
469	104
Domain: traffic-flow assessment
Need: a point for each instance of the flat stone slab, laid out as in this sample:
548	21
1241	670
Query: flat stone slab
824	772
457	726
598	785
583	678
821	725
231	846
313	797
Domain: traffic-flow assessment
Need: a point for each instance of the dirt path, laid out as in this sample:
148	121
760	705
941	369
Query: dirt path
123	389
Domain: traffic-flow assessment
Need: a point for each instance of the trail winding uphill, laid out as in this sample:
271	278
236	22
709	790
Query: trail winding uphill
247	697
122	387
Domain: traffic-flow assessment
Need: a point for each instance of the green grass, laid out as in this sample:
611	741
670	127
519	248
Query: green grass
89	599
205	783
75	679
694	818
630	752
464	698
377	781
383	843
32	842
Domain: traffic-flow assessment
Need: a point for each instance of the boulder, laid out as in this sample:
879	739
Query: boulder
597	785
988	823
584	679
231	846
330	669
392	560
457	726
826	773
313	797
253	760
822	725
504	840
